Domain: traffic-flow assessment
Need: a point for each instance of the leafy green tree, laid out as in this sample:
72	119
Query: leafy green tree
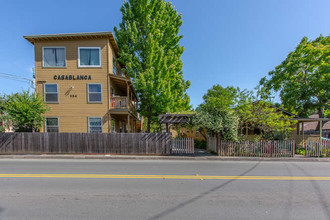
303	78
2	114
25	110
225	112
148	39
271	122
216	113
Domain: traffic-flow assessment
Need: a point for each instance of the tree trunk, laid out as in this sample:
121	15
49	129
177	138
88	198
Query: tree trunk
321	115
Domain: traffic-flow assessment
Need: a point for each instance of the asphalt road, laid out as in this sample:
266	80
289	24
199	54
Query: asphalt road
95	191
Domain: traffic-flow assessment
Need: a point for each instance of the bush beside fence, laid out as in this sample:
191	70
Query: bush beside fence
102	143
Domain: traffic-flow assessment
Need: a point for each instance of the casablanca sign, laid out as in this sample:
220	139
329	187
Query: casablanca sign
72	77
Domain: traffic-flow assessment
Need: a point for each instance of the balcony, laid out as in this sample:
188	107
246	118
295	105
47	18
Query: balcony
121	103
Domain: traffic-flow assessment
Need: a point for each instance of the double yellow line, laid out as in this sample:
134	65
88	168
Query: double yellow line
175	177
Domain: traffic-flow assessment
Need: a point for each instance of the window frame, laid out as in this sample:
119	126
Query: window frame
94	92
88	125
58	124
58	97
90	66
43	60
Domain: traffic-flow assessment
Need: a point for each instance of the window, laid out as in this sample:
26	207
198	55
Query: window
112	91
94	124
94	93
52	125
53	56
114	65
51	93
89	57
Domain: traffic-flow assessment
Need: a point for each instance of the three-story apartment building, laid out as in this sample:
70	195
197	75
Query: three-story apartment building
81	81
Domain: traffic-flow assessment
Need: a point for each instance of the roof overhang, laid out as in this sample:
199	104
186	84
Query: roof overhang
310	119
74	36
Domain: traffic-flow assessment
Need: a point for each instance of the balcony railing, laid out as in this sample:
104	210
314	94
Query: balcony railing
121	102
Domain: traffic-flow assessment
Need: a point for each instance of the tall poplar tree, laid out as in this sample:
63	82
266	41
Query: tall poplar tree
148	39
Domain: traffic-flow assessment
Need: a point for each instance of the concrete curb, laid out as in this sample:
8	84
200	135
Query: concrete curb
192	158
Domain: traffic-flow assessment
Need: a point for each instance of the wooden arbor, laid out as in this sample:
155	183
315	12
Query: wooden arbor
169	119
302	121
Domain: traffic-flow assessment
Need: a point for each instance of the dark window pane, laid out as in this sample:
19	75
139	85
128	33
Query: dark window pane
89	57
54	57
94	88
50	88
51	97
95	129
52	121
95	122
95	97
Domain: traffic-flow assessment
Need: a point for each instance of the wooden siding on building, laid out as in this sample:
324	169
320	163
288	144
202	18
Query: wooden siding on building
73	112
73	108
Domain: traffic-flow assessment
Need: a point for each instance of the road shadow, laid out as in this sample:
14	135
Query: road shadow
318	191
185	203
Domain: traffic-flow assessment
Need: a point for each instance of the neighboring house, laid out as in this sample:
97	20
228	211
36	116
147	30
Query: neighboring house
306	129
310	128
250	132
83	84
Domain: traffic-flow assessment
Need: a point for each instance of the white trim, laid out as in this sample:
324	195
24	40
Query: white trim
94	92
58	97
89	66
58	123
88	118
43	62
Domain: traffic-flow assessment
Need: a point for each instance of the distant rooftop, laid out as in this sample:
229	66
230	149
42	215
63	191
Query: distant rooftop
70	36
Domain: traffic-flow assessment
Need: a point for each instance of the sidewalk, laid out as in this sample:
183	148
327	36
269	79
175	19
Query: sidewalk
143	157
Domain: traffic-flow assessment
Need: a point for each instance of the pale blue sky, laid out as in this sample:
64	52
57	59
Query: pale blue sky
233	42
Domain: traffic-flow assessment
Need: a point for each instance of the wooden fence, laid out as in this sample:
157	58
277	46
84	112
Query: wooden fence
317	148
102	143
183	146
257	149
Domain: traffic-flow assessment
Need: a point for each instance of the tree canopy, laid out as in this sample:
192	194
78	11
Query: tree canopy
25	110
228	111
148	39
303	78
215	113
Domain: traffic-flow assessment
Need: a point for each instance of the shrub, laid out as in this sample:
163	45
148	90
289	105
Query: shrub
200	144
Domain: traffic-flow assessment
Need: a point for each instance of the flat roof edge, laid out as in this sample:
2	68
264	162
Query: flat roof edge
68	34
